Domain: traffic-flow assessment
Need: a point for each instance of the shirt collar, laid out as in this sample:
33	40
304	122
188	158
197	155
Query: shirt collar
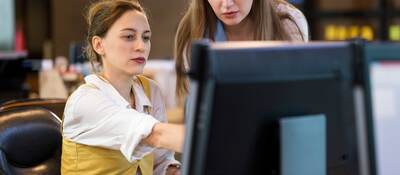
104	86
219	32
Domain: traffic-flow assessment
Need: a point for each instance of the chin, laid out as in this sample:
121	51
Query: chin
138	72
135	70
231	22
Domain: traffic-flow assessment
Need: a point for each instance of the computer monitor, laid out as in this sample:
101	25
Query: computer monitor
240	92
383	73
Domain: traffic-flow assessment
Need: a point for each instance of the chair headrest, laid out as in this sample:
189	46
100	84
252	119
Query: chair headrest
29	135
34	101
53	104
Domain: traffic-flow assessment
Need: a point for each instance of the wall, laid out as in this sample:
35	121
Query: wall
164	18
68	24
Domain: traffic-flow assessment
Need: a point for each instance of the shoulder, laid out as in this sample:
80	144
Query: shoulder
85	93
293	20
155	90
153	85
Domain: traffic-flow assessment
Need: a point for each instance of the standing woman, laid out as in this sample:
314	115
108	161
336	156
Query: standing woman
235	20
115	123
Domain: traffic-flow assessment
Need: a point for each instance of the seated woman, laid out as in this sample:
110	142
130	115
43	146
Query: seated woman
115	123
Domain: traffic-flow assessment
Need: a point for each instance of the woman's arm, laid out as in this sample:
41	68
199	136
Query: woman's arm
168	136
91	118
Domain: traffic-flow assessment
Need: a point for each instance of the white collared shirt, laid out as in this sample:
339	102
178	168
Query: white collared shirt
97	115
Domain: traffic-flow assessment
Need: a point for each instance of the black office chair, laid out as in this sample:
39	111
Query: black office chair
30	142
55	105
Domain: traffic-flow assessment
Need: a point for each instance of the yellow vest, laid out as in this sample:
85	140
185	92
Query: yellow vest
77	159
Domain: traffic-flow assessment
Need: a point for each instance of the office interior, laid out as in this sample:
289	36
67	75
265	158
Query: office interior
42	63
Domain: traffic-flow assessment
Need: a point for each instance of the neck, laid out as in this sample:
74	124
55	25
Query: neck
244	31
122	83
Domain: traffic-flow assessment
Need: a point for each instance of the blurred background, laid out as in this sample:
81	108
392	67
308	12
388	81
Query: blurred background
42	63
41	40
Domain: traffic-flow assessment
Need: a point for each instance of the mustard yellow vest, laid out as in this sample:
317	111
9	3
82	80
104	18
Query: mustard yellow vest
77	159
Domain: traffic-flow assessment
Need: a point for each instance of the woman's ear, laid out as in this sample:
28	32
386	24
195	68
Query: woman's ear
98	45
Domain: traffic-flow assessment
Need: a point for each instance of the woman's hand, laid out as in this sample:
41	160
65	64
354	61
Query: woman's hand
173	170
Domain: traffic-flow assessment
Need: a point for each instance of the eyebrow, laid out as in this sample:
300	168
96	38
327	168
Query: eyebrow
134	30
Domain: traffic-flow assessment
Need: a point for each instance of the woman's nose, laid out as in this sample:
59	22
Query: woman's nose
227	3
139	45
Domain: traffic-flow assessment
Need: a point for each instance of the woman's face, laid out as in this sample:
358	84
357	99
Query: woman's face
126	46
231	12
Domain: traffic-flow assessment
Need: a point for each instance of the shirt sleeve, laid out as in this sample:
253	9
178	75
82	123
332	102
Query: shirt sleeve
292	30
163	158
98	121
293	20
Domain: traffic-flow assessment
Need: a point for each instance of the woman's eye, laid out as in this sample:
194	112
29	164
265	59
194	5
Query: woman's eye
129	37
146	38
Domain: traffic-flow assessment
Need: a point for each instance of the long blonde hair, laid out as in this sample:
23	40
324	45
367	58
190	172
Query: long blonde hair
200	19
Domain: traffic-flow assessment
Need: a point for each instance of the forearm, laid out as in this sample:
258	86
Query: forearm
168	136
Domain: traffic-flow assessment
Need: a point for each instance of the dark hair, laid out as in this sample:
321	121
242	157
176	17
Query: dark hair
100	17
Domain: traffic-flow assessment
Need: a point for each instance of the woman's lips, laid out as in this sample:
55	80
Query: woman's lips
139	60
230	14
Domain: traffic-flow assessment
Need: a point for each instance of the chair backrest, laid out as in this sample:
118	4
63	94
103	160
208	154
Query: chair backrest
30	141
54	105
